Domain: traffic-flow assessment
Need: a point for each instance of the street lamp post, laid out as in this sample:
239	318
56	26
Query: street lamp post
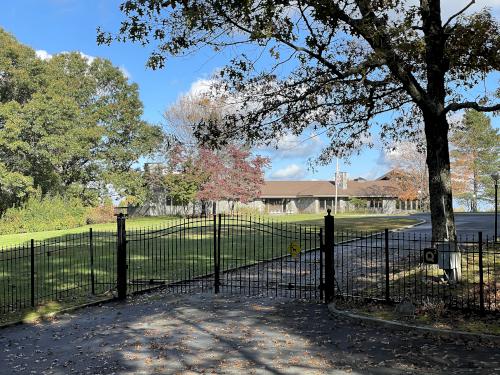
495	177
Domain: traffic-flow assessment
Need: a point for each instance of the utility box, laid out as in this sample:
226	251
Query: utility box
450	260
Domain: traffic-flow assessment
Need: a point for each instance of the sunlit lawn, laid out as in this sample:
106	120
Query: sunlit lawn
342	223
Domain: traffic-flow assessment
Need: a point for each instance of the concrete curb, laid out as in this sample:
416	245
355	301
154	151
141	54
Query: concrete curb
334	311
412	225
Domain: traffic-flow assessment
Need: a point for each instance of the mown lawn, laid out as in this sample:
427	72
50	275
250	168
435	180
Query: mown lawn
159	250
343	222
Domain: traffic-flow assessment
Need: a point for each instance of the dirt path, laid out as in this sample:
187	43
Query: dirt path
162	333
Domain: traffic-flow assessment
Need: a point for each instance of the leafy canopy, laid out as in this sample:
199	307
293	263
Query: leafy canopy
338	65
231	174
68	125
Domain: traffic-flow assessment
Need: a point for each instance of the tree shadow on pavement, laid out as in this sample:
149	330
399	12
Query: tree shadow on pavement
161	333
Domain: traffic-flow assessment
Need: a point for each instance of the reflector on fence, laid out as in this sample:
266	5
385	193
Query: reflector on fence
430	255
294	249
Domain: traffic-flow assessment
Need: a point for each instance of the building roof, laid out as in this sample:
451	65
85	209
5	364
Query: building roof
303	189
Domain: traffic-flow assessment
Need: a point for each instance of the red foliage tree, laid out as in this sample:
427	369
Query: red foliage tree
231	174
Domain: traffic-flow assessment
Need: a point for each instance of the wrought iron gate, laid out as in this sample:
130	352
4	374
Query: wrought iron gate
228	254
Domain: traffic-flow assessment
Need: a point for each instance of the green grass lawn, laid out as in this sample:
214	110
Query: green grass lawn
344	222
159	249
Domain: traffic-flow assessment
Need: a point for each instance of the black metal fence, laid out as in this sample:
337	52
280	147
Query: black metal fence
392	266
248	256
70	269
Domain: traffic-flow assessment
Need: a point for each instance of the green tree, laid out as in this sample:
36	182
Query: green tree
475	156
19	70
14	188
339	64
79	130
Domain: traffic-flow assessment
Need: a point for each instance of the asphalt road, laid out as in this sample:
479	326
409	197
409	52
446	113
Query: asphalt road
204	333
467	224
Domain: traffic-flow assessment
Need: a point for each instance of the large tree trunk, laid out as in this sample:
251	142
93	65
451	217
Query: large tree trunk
441	201
438	162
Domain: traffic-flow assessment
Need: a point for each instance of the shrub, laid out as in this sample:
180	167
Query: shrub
357	205
100	214
41	214
247	210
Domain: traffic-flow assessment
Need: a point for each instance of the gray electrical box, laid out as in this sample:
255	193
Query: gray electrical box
450	260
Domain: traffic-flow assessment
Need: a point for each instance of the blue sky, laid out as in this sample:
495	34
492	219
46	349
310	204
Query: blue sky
70	25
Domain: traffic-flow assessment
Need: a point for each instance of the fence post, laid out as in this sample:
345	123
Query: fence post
91	249
121	257
32	253
329	266
218	251
386	250
216	258
481	273
321	250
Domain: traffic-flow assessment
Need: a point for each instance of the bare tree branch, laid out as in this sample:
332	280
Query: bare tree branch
471	105
458	13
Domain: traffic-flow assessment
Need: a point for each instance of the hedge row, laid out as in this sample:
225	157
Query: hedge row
52	213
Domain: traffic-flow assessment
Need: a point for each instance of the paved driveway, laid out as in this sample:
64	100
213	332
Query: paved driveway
465	223
202	333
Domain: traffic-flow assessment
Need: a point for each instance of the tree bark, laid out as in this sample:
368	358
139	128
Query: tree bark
444	235
438	162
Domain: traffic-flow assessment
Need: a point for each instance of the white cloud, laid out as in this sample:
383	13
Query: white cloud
43	55
452	7
200	86
292	171
125	72
89	58
293	146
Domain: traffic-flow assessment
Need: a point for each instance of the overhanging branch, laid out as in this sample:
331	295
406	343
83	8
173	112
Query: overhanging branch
471	105
458	13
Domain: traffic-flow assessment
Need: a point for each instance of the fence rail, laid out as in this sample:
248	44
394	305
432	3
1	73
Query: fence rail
247	255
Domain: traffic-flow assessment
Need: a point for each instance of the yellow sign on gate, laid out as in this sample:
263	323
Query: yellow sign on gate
294	249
